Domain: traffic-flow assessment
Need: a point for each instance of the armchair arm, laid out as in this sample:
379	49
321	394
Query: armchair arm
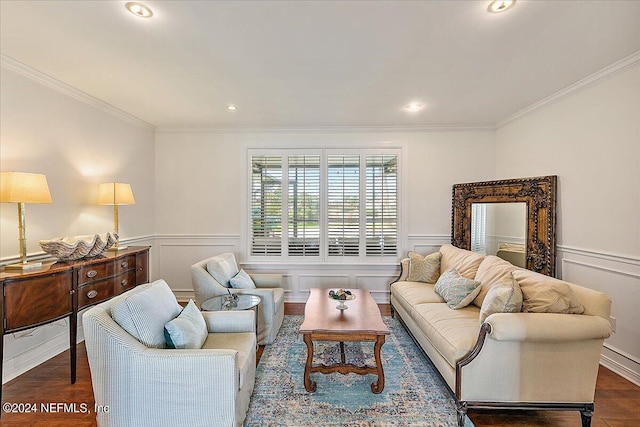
230	321
267	280
547	327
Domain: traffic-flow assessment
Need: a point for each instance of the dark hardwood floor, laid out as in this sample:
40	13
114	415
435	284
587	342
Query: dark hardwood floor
617	401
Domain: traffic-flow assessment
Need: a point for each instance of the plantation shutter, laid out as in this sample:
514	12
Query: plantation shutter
304	205
343	205
266	205
479	228
382	205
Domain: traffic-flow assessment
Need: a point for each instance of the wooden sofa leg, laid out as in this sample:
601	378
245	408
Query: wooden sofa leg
461	412
393	312
586	415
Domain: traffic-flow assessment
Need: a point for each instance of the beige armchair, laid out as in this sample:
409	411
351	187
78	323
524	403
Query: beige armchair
139	383
210	277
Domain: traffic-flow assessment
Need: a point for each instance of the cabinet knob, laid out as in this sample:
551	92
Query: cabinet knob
92	294
124	264
124	282
91	273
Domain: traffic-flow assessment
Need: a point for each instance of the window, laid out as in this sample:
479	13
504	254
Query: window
338	204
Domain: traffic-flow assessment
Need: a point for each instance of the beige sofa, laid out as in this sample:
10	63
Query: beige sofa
513	360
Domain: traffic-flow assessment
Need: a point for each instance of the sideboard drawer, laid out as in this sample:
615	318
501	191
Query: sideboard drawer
95	293
125	281
94	272
125	264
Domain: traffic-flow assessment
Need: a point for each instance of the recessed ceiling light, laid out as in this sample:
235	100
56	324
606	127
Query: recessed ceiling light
414	107
497	6
138	9
231	107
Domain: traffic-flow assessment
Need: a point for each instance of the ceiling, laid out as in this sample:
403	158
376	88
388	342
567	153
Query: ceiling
314	64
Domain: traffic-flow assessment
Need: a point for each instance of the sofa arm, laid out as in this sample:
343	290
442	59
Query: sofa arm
404	270
547	327
230	321
267	280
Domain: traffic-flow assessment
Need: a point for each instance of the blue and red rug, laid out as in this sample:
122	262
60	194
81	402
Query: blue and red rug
414	395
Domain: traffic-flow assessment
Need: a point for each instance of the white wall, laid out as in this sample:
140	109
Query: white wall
591	140
201	186
76	146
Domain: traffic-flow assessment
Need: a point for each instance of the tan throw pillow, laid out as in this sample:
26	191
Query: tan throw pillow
543	294
424	269
503	297
456	290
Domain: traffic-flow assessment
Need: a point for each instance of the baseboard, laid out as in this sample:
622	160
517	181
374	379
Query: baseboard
18	365
620	369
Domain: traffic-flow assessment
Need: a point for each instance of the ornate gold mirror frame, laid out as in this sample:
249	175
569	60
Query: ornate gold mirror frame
539	194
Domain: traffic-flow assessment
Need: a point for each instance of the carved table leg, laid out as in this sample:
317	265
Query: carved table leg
309	385
377	387
342	356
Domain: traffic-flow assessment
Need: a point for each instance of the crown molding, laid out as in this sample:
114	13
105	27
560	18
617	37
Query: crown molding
606	73
65	89
332	129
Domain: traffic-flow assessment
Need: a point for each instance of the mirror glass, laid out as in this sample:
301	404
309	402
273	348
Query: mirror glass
500	229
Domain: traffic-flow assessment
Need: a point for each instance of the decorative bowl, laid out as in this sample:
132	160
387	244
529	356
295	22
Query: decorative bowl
77	247
341	296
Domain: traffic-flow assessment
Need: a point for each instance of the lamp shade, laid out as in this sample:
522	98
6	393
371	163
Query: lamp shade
21	187
115	193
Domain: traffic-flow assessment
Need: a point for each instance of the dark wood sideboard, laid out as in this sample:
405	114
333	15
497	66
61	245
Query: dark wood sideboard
61	289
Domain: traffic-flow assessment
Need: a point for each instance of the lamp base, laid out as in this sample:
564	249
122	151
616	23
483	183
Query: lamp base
117	248
23	266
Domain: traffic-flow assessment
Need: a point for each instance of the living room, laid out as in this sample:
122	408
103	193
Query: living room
84	103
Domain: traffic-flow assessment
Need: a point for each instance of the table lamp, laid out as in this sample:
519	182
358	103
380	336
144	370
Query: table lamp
21	188
116	194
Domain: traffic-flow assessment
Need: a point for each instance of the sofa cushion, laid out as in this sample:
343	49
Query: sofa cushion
492	271
242	342
544	294
144	310
457	291
410	294
424	268
503	297
466	262
242	281
188	330
452	332
223	268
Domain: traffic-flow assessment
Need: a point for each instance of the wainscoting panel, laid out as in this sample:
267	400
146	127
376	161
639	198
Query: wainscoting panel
619	277
174	255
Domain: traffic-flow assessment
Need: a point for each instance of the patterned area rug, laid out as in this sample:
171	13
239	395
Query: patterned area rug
413	395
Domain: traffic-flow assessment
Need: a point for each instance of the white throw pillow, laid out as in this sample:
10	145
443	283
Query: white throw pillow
242	281
188	330
145	310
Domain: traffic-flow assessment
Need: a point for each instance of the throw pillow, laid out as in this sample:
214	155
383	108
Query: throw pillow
144	310
456	290
544	294
242	281
223	268
503	297
424	269
188	330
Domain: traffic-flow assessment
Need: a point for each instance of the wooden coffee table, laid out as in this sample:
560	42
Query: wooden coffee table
362	321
